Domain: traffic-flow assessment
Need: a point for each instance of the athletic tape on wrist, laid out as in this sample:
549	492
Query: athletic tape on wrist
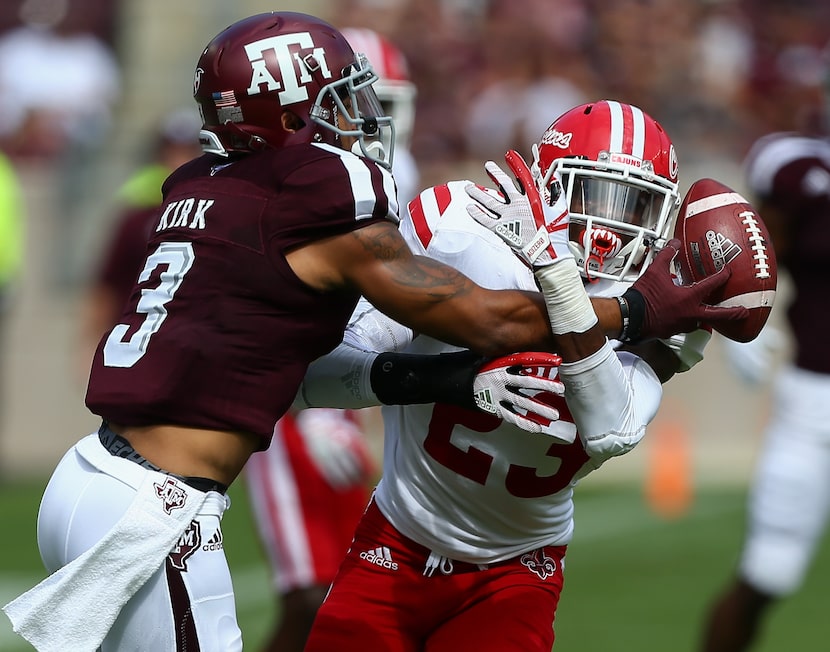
569	307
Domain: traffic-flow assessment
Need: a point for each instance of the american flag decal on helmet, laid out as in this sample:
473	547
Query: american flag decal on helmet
225	98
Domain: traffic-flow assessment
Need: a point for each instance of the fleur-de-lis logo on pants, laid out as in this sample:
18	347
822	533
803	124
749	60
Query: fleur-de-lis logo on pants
539	563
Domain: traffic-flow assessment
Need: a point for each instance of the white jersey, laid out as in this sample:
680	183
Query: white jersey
465	484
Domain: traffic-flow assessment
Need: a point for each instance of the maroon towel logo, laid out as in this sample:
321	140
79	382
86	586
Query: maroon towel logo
171	494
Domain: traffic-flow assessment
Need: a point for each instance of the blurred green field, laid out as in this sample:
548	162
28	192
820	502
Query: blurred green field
634	581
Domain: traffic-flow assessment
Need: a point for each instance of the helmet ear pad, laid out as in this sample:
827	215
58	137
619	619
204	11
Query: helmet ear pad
291	122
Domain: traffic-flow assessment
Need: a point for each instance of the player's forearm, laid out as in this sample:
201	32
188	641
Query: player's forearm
352	378
609	316
612	398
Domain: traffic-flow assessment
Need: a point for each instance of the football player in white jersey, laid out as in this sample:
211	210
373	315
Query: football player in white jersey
789	502
463	543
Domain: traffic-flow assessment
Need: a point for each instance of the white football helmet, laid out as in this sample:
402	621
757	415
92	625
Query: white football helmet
619	170
394	88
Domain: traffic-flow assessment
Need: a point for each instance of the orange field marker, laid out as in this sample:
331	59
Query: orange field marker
669	488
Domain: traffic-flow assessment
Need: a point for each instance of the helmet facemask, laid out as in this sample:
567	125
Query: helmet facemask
351	109
620	215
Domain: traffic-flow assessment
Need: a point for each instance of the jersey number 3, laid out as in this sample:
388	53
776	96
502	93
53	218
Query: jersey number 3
178	257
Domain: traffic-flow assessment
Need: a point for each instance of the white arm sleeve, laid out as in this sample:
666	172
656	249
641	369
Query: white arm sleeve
688	347
341	379
612	396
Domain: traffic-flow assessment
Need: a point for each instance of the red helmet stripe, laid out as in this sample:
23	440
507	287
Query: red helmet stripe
628	129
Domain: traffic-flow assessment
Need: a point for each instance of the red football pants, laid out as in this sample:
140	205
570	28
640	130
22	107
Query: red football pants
381	600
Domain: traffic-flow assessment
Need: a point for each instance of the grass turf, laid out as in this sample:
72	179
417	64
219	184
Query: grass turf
634	581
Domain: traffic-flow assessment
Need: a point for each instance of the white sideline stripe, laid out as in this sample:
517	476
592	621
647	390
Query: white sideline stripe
712	202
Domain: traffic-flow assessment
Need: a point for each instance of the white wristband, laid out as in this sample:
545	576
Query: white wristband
569	307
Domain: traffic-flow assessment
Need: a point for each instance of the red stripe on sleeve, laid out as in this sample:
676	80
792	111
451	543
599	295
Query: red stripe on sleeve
419	220
442	194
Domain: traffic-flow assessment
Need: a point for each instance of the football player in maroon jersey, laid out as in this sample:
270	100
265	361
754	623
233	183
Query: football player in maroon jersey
789	501
309	488
261	251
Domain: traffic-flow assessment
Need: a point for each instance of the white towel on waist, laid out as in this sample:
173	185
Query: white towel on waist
75	607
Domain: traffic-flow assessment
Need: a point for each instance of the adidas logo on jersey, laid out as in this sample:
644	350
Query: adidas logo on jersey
216	542
380	556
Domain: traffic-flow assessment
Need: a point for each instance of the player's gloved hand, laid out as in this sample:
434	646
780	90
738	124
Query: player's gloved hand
336	446
535	229
661	308
522	389
753	360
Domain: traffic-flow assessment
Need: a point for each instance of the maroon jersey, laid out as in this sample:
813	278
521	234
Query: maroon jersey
792	173
218	331
125	253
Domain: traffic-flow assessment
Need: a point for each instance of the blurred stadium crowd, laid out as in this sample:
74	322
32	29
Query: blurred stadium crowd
83	82
492	74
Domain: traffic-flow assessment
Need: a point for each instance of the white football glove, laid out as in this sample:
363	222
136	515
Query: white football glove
752	361
522	389
536	230
336	446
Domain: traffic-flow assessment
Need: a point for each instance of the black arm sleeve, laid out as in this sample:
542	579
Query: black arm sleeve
405	379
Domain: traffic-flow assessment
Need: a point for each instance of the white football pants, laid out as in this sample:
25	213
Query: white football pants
790	497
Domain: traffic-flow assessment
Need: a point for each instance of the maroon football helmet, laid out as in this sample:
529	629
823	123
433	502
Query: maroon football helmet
619	170
261	66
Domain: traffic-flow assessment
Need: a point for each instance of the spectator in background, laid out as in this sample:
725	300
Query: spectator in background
310	487
175	141
529	73
58	82
789	502
11	246
397	94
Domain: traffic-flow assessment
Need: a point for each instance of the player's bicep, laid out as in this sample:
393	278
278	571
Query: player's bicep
411	289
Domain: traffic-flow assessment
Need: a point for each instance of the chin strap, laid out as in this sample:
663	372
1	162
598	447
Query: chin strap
372	150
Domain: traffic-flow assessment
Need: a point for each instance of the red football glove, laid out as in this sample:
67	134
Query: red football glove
660	308
336	445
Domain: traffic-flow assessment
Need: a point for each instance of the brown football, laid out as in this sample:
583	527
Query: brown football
718	227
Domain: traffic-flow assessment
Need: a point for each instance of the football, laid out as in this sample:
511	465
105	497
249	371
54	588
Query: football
718	227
